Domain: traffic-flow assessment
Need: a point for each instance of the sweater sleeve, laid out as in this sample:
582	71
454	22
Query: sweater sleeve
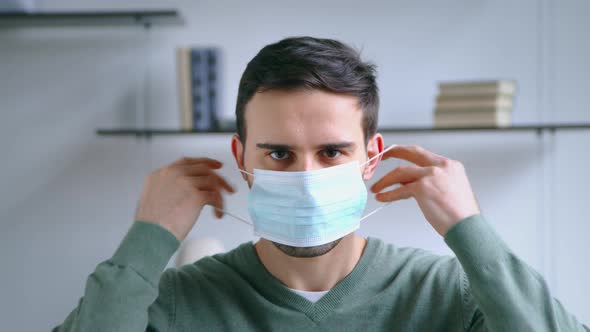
509	294
120	293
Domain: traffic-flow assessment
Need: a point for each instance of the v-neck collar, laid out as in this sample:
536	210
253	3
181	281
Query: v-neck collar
275	291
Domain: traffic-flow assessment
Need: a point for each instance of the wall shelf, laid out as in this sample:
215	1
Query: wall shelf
144	18
539	128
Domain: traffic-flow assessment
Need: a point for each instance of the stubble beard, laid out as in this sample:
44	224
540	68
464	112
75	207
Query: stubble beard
307	252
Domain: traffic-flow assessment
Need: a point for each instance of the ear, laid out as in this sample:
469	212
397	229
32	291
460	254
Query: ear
237	149
374	147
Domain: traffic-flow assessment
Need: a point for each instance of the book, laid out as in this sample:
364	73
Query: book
18	6
212	57
472	88
184	88
481	102
470	119
198	86
473	110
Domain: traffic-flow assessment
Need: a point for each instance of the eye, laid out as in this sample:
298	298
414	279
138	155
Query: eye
279	155
331	153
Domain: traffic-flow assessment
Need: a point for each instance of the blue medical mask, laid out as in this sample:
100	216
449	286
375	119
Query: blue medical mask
307	208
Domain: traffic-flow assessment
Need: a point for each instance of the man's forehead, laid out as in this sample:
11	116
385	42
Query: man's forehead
303	135
303	119
301	104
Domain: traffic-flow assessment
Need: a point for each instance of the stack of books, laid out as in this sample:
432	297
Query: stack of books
198	87
475	104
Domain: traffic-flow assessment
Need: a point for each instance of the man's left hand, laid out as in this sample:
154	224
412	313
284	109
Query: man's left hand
439	185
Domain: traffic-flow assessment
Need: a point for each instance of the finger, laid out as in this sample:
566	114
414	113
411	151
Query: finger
225	184
401	174
210	182
403	192
195	169
202	170
415	154
206	161
214	199
204	183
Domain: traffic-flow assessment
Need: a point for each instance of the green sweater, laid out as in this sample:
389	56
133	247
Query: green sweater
486	288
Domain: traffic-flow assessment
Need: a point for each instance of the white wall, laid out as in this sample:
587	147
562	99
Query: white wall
68	196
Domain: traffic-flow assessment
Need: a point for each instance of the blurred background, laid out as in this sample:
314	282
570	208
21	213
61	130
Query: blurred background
68	195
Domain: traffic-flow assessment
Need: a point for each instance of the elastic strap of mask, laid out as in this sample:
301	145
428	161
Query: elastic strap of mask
234	216
379	154
366	162
241	170
374	211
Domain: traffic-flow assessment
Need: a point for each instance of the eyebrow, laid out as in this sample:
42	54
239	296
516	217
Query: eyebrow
270	146
340	145
285	147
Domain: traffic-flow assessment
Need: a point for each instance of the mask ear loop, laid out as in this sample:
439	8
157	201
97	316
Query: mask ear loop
379	154
375	211
244	220
366	162
234	216
241	170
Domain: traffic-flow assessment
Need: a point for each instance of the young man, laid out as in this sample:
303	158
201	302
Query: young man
307	117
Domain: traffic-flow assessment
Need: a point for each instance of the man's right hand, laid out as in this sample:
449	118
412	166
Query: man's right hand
173	196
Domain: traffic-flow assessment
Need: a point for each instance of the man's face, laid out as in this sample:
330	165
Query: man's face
301	130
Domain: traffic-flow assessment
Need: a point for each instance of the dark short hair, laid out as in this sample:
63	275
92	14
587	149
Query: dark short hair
315	64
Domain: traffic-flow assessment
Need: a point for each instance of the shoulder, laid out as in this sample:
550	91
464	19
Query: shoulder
417	276
209	270
410	255
418	265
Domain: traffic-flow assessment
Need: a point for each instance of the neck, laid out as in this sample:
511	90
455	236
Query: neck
312	273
